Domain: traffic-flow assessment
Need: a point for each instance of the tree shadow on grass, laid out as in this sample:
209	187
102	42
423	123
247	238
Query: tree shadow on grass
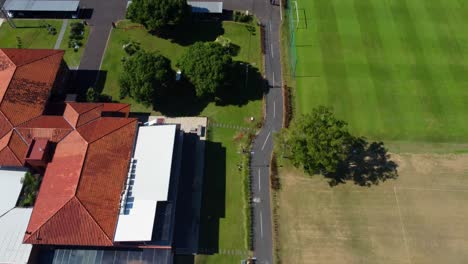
180	100
214	197
247	84
366	165
193	31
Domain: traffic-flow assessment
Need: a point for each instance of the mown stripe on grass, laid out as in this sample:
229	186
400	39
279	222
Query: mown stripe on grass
334	70
421	76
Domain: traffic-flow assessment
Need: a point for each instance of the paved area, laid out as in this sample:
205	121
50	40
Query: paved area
100	23
1	21
187	124
269	16
61	34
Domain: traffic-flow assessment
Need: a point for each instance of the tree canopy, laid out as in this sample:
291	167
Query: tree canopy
318	142
321	143
145	75
156	15
207	67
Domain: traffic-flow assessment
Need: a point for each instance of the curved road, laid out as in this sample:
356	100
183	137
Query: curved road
262	148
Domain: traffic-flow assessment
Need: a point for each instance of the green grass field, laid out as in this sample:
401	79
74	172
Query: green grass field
419	218
222	227
394	70
32	35
249	43
35	37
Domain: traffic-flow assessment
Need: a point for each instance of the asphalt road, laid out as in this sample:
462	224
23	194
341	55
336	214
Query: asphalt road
262	148
100	23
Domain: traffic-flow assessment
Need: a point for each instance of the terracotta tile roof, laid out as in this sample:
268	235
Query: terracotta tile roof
81	108
91	169
117	107
57	229
7	69
47	122
98	129
5	125
26	80
29	88
106	165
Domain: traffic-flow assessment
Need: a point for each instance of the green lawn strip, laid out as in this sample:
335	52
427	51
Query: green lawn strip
73	57
31	34
223	225
249	43
392	71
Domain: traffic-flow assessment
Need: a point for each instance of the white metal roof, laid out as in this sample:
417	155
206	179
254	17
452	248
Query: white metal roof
12	228
206	6
13	221
148	182
10	183
41	5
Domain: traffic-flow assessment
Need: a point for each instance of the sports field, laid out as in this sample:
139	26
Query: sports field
394	70
420	218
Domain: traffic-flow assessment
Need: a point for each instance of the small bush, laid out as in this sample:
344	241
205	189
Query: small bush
240	16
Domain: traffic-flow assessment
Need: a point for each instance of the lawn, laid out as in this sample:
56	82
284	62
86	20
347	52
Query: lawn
419	218
35	37
32	35
222	231
73	57
394	70
241	35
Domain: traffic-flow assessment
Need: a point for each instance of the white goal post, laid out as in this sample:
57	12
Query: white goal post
297	14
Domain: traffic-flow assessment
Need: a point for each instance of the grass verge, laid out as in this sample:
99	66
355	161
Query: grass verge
32	35
73	57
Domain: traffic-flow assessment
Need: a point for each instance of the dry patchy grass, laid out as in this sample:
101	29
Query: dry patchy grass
419	218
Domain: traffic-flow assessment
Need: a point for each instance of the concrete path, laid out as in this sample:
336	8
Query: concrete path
61	34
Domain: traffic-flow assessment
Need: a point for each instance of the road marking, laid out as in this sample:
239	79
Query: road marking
402	225
274	109
273	81
264	143
259	186
271	48
271	31
261	224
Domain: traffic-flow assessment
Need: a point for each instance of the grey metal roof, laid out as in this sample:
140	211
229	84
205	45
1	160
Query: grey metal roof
206	7
41	5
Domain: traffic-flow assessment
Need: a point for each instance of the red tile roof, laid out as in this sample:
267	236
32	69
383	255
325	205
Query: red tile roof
31	83
78	202
89	165
26	80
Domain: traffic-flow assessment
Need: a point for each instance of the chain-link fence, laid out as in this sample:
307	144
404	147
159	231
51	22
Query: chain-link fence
291	16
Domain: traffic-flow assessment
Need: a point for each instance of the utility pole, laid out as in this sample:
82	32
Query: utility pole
5	14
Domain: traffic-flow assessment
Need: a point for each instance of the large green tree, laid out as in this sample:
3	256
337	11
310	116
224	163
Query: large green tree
317	142
156	15
207	67
145	76
320	143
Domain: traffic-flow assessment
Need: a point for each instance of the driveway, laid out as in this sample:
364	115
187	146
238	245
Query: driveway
100	23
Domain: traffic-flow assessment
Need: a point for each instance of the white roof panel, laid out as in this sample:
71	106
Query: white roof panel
10	182
12	228
41	5
148	183
206	7
13	221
